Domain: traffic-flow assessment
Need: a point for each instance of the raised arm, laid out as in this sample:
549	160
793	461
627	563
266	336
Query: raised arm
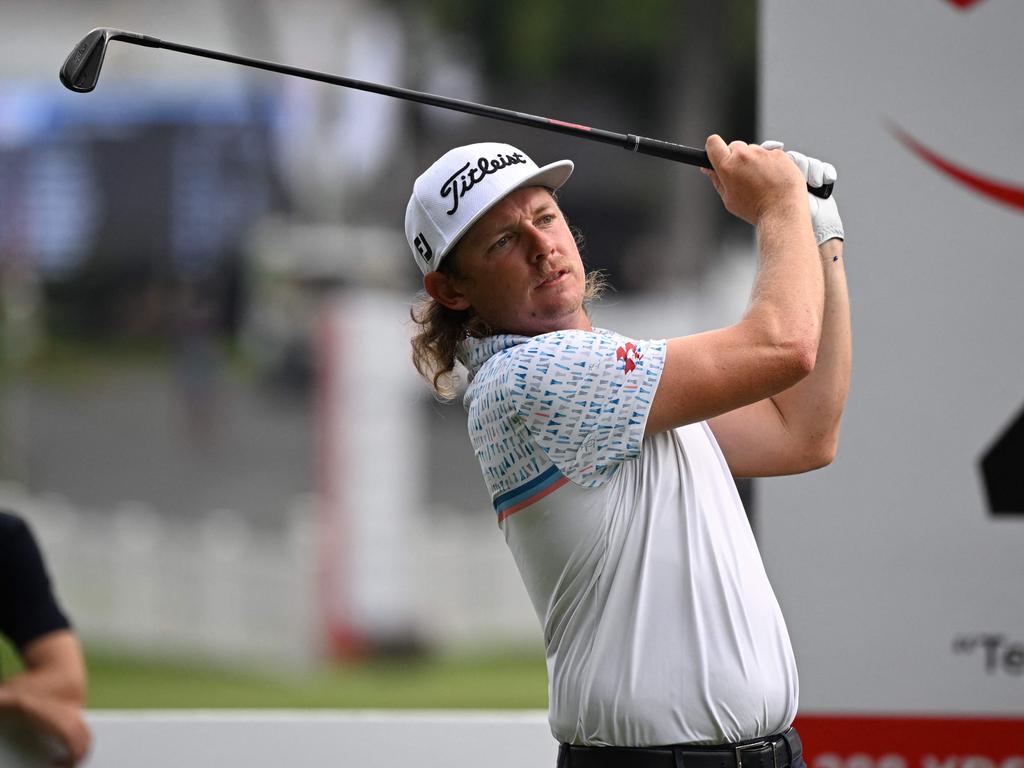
797	430
774	345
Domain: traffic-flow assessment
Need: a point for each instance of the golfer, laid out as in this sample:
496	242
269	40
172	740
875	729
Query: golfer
610	460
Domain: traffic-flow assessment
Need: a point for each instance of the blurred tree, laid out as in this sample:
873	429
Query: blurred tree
710	68
676	69
531	40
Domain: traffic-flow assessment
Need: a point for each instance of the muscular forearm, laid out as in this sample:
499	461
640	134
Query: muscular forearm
811	409
787	297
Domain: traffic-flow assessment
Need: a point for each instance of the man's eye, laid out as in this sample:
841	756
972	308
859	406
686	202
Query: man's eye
501	242
547	218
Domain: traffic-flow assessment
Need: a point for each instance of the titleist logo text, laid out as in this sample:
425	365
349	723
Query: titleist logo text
464	179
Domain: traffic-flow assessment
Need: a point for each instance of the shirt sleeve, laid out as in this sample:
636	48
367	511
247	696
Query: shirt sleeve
28	609
584	397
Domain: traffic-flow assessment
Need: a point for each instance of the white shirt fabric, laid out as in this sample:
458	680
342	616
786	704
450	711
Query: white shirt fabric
660	626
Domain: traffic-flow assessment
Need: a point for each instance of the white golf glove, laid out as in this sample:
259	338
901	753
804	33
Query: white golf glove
824	213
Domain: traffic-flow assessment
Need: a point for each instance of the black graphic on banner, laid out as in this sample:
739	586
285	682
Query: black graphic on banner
1002	466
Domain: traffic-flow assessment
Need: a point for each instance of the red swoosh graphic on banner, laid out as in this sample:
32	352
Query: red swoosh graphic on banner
964	3
1001	192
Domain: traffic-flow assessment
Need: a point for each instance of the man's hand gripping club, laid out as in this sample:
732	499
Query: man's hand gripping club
753	181
738	181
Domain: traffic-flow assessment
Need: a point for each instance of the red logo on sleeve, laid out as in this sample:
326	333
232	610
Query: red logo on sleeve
629	355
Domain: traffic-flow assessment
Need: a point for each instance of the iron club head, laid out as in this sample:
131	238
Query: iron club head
81	69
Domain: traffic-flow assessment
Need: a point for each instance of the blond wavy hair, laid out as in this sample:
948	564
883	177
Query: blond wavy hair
441	329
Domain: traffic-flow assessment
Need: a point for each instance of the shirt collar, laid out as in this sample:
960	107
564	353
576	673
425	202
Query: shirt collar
473	353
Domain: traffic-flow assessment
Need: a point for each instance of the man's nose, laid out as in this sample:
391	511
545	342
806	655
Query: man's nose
542	245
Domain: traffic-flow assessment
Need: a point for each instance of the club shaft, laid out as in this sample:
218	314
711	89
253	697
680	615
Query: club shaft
663	149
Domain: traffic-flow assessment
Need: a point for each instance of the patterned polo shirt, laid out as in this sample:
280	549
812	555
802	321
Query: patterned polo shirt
660	626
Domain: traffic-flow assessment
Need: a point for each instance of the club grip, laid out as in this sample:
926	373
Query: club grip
698	157
669	151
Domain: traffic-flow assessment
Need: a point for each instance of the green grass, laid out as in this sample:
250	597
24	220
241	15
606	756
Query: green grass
492	682
124	681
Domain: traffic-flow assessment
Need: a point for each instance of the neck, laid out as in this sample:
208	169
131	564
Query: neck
578	322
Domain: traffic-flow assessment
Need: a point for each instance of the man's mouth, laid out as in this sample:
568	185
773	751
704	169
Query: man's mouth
553	278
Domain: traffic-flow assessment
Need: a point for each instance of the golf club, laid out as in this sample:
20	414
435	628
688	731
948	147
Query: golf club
81	71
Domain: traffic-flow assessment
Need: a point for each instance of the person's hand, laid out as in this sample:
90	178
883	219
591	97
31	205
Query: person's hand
752	180
56	720
62	721
824	213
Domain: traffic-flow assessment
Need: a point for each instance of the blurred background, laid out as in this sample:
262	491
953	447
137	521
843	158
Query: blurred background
207	410
246	496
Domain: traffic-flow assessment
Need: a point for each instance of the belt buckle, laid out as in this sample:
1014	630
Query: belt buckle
739	750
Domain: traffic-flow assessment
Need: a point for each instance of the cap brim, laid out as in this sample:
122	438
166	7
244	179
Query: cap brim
552	176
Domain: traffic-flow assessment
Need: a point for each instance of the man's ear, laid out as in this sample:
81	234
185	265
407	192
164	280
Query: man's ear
444	289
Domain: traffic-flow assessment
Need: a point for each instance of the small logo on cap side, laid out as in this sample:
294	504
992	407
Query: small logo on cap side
423	247
460	182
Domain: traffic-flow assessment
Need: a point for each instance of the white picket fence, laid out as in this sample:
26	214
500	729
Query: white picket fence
220	589
134	579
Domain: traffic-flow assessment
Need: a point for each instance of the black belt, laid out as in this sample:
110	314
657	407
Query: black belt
779	751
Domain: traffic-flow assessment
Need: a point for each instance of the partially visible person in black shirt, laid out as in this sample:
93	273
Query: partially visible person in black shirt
49	695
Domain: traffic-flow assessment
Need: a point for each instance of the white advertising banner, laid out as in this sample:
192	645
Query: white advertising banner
900	568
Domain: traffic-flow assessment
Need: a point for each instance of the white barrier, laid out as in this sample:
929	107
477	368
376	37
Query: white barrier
214	739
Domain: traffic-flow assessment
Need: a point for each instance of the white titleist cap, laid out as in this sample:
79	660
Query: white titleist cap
460	187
